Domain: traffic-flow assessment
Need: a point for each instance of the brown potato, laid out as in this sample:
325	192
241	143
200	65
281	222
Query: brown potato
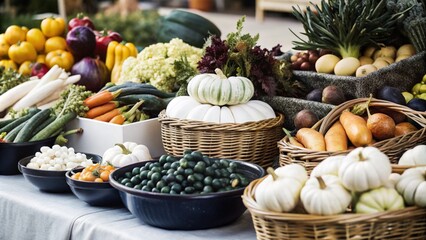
404	128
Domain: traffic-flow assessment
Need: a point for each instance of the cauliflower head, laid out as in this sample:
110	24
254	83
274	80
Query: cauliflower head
154	64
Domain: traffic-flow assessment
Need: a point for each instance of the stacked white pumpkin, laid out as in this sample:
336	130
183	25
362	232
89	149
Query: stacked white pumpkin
219	99
362	180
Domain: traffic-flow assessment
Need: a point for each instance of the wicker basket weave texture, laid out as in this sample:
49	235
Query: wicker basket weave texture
254	142
393	147
408	223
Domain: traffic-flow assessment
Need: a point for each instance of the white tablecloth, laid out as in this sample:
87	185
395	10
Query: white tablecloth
28	214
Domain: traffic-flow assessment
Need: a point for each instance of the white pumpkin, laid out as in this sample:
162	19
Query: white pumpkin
365	168
414	156
393	180
325	195
125	154
186	107
412	186
280	191
217	89
180	107
379	200
329	166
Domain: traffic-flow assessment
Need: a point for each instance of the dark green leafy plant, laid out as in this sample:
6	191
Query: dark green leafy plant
345	26
238	55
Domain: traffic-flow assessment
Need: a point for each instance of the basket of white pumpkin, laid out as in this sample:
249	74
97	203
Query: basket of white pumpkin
345	197
413	157
219	119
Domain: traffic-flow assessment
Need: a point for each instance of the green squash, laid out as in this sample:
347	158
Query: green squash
192	28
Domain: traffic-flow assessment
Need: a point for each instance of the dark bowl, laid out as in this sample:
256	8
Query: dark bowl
185	212
93	193
48	180
11	153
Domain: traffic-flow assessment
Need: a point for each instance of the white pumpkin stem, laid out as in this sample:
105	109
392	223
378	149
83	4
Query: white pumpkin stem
220	73
321	183
361	157
124	150
272	172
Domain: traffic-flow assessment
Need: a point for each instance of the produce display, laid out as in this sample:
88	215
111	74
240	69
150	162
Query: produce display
58	158
191	174
62	70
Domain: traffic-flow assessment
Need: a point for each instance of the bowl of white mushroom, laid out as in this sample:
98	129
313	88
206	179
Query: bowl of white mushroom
46	169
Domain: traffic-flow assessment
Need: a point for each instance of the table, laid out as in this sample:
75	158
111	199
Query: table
28	214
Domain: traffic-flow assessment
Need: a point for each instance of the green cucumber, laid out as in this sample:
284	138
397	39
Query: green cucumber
151	102
53	127
11	135
6	121
18	121
130	84
26	132
44	124
144	90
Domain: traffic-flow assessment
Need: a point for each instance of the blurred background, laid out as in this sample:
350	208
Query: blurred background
137	20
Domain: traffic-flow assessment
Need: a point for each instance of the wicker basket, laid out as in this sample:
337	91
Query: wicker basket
393	147
254	142
408	223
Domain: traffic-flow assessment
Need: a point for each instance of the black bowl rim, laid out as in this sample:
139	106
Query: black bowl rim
51	173
22	144
84	184
140	193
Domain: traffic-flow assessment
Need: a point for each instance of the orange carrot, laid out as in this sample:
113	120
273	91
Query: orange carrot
101	98
121	118
106	117
99	110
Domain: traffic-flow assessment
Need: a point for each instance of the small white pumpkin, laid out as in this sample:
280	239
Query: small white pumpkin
329	166
365	168
412	186
325	195
393	180
125	154
219	90
414	156
280	191
379	200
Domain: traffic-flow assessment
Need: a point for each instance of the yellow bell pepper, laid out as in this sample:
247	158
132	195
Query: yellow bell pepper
53	26
8	64
22	51
4	47
25	68
62	58
116	54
